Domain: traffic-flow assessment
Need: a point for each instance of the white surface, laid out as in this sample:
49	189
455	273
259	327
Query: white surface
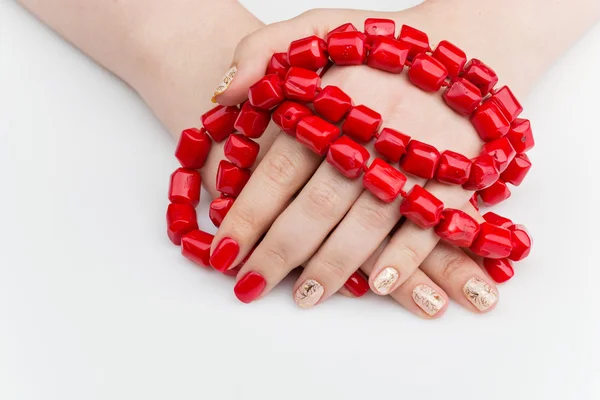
95	303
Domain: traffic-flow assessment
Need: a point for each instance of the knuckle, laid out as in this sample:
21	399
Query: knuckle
451	263
373	215
334	267
281	168
323	200
276	256
243	220
410	258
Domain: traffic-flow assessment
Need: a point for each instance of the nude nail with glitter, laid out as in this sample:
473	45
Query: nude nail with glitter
385	280
225	83
480	293
428	299
309	293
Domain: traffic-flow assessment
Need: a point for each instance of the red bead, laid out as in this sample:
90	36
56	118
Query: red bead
184	187
380	27
474	201
267	93
249	287
332	104
288	114
231	179
421	159
453	168
195	246
316	133
181	219
457	228
521	242
252	121
417	41
219	122
384	181
361	123
500	270
517	170
241	151
480	75
348	157
279	65
391	144
219	208
308	53
301	84
427	73
507	103
492	241
347	48
489	122
462	96
193	148
483	173
498	220
342	28
422	208
495	194
520	135
388	55
501	151
452	57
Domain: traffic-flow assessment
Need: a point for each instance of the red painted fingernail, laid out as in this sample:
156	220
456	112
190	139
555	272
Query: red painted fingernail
357	284
224	254
249	287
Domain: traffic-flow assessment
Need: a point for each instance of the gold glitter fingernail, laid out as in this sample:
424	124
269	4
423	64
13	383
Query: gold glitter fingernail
428	299
225	82
385	280
309	293
480	294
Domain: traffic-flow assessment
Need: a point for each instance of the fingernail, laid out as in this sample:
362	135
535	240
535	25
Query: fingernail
225	83
428	299
385	280
357	284
480	294
309	293
224	254
249	287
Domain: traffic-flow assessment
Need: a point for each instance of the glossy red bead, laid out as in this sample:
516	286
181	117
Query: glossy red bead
520	135
241	151
195	246
388	55
494	194
507	103
252	121
301	84
380	27
453	58
474	201
521	242
480	75
421	159
384	181
342	28
483	173
501	151
457	228
347	48
231	179
416	40
219	208
498	220
316	133
288	114
348	157
309	53
427	73
279	65
453	168
391	144
492	241
422	208
517	170
219	122
249	287
500	270
489	122
462	96
181	219
332	103
361	123
193	148
267	93
184	187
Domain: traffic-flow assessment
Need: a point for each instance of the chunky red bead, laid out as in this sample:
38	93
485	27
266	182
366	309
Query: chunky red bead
219	122
501	151
422	208
193	148
498	220
181	219
195	246
308	53
279	65
494	194
301	84
480	75
492	241
267	93
457	228
380	27
507	103
347	48
421	159
388	55
361	123
452	57
342	28
474	200
462	96
391	144
316	133
500	270
252	121
489	122
384	181
521	242
332	104
427	73
184	187
348	157
483	173
219	208
241	151
453	168
231	179
288	114
520	135
417	41
517	170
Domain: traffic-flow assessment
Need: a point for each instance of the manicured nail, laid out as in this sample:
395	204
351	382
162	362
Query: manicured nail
309	293
385	280
428	299
249	287
357	284
480	294
225	83
224	254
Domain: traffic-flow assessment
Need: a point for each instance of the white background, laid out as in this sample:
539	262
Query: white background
95	302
